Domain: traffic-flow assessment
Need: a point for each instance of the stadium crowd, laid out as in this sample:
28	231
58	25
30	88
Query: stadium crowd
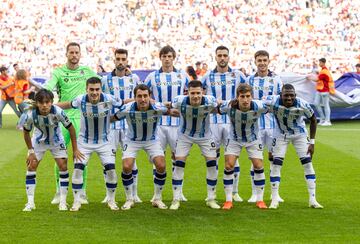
296	32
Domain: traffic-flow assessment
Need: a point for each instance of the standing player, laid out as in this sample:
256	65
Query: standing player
121	83
221	83
45	117
142	119
70	82
264	83
244	132
95	108
289	113
194	128
165	84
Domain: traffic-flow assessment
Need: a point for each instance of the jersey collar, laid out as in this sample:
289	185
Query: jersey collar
161	70
216	71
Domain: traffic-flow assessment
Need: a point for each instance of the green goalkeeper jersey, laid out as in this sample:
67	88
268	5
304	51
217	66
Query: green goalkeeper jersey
70	84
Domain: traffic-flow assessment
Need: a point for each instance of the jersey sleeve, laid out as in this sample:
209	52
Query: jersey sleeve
204	81
52	83
63	118
28	123
212	102
308	111
278	85
225	107
76	103
136	79
161	108
176	101
115	102
241	78
263	108
121	113
104	84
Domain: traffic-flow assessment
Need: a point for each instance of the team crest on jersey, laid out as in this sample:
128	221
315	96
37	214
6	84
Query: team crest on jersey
82	72
66	80
233	74
271	80
179	76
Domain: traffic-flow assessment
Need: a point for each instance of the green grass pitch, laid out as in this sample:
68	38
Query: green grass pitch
336	162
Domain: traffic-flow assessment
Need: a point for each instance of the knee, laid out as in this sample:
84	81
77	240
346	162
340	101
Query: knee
62	165
160	164
127	166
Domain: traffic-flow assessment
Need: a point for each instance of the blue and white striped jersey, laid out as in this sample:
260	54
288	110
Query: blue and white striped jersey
222	86
165	87
95	118
244	126
195	121
121	88
262	87
47	128
290	121
141	125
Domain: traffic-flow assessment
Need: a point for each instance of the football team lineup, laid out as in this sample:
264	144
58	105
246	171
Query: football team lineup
169	109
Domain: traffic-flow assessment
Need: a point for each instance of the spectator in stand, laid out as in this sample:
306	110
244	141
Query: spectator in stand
198	68
204	69
7	87
357	66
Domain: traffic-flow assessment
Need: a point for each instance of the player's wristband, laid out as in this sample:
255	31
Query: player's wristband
312	141
31	151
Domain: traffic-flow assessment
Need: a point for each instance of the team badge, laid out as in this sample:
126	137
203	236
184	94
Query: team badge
233	74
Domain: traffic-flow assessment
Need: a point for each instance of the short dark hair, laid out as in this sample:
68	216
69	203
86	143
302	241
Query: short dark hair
167	49
14	65
121	51
221	48
322	60
243	88
357	65
72	44
198	63
261	53
142	87
191	72
195	83
288	87
3	68
93	80
44	94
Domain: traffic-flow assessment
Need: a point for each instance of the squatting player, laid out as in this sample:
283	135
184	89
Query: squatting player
289	113
46	117
244	113
94	136
142	119
195	110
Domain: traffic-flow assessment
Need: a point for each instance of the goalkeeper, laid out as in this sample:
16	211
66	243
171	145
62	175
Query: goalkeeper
70	82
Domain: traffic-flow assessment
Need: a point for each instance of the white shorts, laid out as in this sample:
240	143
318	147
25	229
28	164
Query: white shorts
300	142
220	133
117	138
58	151
168	135
266	137
184	143
152	148
254	149
105	151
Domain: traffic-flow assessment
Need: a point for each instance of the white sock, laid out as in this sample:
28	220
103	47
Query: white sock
228	184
